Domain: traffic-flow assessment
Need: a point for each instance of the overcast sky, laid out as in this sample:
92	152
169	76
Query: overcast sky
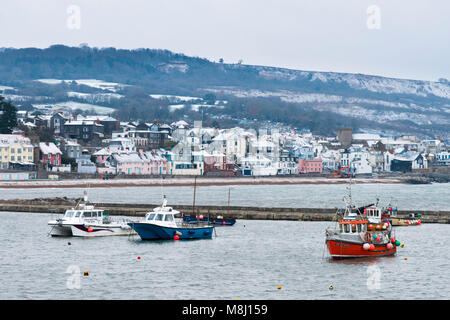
395	38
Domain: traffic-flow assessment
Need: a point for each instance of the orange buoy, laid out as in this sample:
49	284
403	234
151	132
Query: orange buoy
176	237
139	258
90	229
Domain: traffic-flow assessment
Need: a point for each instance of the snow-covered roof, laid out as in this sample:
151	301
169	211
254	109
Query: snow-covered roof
407	156
49	148
365	136
138	157
179	123
102	152
7	139
71	144
96	117
82	122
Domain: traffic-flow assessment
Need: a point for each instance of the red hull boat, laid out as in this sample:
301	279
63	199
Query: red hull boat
361	232
341	249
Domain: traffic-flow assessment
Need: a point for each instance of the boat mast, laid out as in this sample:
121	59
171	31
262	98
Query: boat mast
349	188
228	211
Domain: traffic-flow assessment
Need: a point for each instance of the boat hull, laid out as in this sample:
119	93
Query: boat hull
59	230
149	231
345	249
214	221
81	230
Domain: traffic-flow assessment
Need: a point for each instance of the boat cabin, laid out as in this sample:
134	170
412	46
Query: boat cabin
373	214
390	212
85	214
352	226
163	216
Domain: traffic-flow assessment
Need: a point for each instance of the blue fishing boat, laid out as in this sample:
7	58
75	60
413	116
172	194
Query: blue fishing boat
161	224
219	220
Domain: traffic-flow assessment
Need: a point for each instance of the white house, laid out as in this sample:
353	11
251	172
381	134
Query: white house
257	166
357	160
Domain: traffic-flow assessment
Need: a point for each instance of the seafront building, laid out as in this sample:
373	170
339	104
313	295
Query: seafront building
16	152
102	145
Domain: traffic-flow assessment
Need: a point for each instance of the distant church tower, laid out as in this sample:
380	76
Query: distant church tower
345	137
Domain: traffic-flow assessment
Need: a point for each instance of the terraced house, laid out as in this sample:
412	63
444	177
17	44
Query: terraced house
135	163
16	152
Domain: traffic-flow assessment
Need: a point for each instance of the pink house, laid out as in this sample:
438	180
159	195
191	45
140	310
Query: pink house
102	155
141	163
51	155
310	166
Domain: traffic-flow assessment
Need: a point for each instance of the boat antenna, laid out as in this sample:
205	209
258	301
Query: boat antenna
193	202
164	202
162	193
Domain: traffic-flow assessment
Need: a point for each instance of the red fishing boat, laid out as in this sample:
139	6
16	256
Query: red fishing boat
361	232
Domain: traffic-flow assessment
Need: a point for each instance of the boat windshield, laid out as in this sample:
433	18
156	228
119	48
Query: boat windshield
69	214
168	217
78	214
159	217
87	214
151	216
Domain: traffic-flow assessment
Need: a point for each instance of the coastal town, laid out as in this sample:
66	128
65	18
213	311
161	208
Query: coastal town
64	145
224	159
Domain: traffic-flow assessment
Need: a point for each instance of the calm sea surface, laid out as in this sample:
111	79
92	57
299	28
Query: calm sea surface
246	261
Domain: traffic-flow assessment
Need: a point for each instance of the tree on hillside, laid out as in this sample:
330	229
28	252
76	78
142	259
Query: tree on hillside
210	98
8	116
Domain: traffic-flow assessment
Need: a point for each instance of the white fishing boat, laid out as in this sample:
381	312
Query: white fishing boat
86	221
